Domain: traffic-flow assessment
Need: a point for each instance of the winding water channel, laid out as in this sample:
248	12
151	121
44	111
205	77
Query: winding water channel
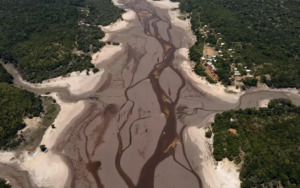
132	132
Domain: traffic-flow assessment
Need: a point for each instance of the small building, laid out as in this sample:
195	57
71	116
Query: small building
213	67
202	58
222	44
237	73
220	51
229	49
211	72
235	69
248	70
209	59
213	56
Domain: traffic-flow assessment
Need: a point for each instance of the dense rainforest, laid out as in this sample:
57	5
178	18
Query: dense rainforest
5	76
15	104
263	33
266	142
40	36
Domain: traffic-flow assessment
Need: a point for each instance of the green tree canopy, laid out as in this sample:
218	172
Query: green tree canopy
267	141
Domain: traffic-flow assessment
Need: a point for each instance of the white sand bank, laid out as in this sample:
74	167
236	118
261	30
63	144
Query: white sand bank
106	53
174	13
77	82
119	25
224	175
67	113
48	169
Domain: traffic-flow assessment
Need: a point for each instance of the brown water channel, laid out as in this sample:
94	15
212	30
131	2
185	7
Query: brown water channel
132	133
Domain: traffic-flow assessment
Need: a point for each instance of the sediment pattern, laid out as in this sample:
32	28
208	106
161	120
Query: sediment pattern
132	132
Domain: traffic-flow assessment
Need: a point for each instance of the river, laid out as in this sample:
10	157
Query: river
132	132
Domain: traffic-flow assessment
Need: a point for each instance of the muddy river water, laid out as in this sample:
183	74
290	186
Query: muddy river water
132	132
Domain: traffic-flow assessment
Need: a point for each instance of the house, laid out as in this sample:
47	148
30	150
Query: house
220	51
209	59
248	70
213	67
202	58
213	56
222	44
237	73
229	49
211	71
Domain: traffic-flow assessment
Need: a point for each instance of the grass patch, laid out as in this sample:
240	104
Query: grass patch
34	138
181	17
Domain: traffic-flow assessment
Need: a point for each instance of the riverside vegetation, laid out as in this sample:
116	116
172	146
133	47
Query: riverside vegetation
45	39
264	35
15	105
3	184
266	142
39	36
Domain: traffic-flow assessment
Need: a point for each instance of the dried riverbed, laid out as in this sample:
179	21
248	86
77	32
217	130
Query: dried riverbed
132	130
